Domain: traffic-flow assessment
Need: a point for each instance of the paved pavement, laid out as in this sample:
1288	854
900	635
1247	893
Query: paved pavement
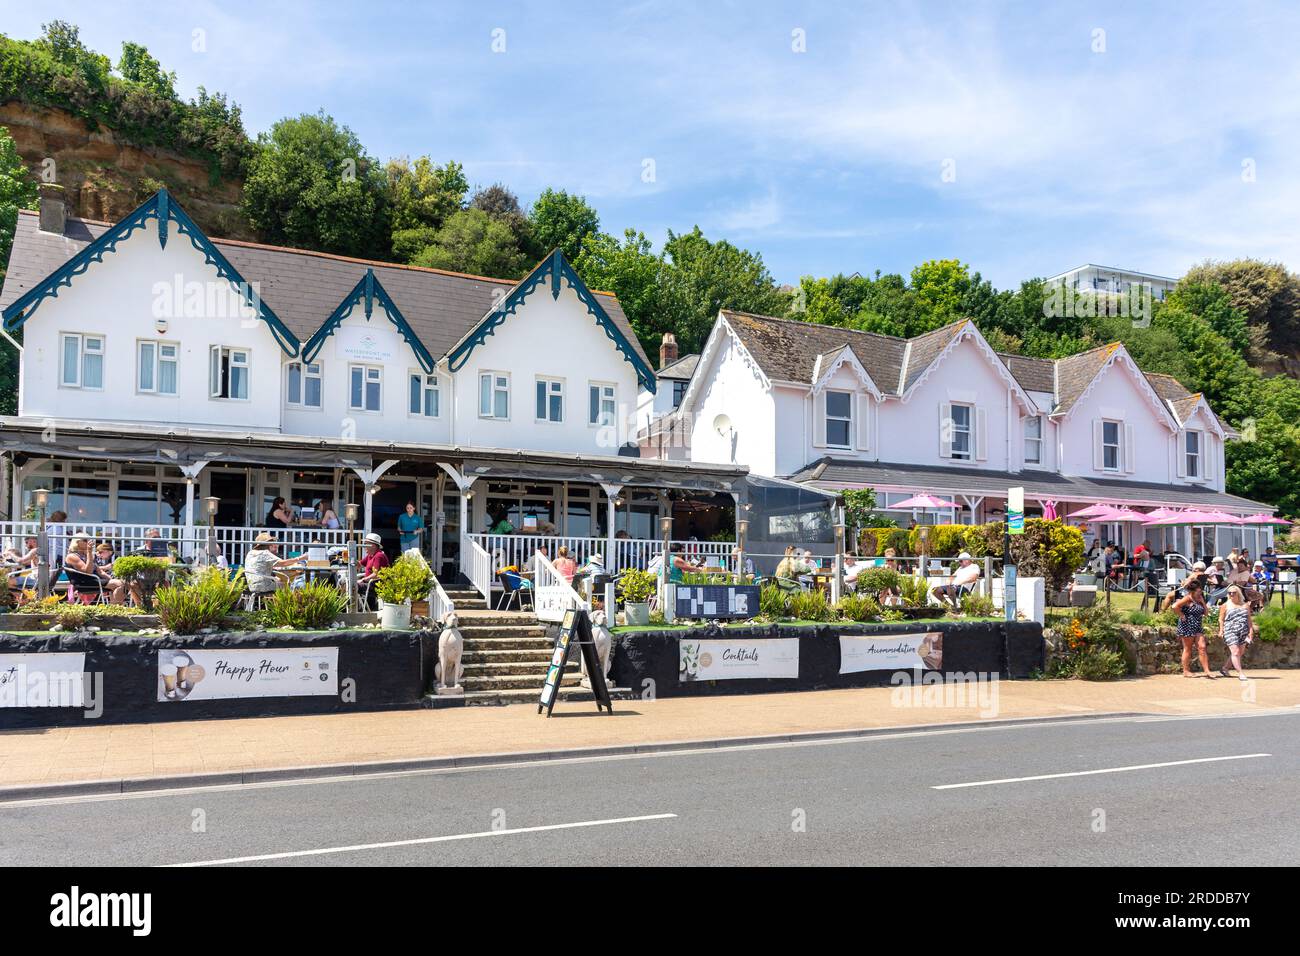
116	752
1117	791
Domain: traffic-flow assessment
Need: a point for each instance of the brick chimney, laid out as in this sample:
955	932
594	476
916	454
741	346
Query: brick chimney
53	209
667	350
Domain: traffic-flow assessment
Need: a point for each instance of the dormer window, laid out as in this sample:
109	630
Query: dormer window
839	418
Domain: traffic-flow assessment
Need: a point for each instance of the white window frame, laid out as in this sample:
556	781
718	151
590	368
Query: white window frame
1038	441
366	368
1118	445
969	431
158	345
553	388
494	387
429	382
1193	461
219	353
827	418
601	388
304	373
82	352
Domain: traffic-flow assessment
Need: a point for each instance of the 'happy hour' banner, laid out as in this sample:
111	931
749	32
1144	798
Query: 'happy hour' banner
258	672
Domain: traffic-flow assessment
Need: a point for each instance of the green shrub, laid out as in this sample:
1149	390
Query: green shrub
1100	663
877	540
810	606
638	586
858	607
1276	623
915	591
406	579
146	572
1141	618
976	605
201	602
877	580
73	617
946	540
311	607
773	602
705	577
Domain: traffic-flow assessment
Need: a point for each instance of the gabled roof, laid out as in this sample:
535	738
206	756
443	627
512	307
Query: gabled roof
829	362
366	291
304	286
556	271
37	278
1079	374
787	349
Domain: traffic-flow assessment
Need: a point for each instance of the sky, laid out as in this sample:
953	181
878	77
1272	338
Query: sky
1022	139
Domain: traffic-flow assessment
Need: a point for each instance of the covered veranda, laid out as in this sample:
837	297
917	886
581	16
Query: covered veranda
981	496
482	508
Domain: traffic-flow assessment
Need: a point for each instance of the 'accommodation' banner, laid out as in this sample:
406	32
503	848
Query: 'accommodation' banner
900	652
262	672
729	659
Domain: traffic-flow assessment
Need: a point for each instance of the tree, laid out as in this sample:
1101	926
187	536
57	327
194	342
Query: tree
422	194
62	41
311	185
1265	292
707	276
472	241
941	287
17	191
137	66
562	221
631	271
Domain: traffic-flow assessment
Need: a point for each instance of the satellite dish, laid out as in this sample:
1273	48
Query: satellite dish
722	425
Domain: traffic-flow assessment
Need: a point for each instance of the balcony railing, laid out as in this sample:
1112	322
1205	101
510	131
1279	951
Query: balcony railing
517	549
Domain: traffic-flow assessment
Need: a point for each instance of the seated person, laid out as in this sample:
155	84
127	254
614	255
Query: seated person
737	566
679	564
564	565
1216	581
80	560
851	571
261	563
373	560
154	544
789	566
1270	564
24	561
967	573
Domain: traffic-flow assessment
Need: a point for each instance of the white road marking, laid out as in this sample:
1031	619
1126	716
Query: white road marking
423	840
1087	773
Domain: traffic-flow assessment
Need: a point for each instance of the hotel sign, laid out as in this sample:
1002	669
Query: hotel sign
356	344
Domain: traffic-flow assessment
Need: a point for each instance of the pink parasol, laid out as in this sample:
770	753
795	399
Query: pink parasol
1196	516
1119	514
923	501
1262	518
1091	510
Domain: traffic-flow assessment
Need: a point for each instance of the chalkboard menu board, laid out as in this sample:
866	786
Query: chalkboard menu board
575	629
716	601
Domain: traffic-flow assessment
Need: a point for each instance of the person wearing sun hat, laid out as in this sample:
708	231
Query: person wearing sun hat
373	560
261	562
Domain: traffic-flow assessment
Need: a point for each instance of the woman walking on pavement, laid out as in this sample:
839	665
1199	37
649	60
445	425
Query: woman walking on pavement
1191	627
1236	626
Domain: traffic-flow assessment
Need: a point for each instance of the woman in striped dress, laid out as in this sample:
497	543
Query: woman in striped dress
1236	625
1191	626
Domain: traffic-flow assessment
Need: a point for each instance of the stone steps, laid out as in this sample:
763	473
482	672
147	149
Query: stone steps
538	655
531	681
534	670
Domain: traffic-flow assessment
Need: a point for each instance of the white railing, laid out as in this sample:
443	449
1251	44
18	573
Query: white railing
440	605
184	542
553	594
517	550
476	564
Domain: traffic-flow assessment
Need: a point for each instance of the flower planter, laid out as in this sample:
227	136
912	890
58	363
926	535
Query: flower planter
395	616
637	614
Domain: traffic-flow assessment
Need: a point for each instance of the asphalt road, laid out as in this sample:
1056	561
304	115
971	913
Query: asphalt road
895	800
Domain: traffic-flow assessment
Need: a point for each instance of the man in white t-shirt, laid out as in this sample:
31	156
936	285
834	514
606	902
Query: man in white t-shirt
851	571
967	573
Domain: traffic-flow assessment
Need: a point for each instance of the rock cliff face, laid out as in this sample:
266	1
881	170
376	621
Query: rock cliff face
105	177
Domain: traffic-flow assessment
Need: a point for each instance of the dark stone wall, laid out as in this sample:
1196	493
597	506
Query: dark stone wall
1009	650
389	670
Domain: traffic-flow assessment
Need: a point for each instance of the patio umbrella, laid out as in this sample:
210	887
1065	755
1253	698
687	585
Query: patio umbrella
1119	514
1262	518
1091	510
1161	512
1222	517
923	501
1194	516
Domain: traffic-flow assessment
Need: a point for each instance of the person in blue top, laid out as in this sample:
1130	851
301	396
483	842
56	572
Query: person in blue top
410	526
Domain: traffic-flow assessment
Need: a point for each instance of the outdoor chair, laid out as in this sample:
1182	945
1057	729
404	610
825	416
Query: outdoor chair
88	588
513	591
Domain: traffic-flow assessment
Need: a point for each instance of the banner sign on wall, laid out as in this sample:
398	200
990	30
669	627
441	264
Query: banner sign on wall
261	672
894	653
42	680
365	344
731	659
715	601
